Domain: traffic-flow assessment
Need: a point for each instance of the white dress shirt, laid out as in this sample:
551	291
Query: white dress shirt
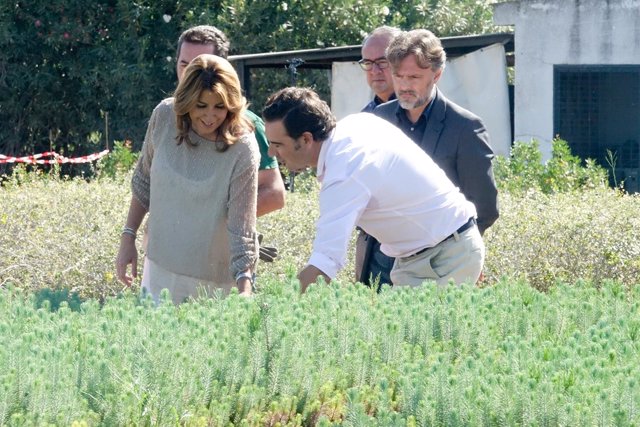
372	175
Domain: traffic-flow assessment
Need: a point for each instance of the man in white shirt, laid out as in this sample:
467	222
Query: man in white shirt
375	177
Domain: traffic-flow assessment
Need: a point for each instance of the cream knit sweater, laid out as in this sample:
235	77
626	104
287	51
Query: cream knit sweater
202	203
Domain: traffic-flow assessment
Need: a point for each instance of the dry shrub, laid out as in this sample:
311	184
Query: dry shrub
546	238
57	233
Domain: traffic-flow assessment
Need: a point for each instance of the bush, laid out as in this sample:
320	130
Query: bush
71	66
524	170
61	233
54	299
545	238
58	233
119	162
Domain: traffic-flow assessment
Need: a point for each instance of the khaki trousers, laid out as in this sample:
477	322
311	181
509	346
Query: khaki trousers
459	258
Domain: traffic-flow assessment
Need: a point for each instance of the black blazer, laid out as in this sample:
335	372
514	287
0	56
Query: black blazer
458	142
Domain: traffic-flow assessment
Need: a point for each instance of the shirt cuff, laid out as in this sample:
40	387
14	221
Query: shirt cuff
324	264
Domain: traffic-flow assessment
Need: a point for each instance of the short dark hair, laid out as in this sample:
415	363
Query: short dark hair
205	34
301	110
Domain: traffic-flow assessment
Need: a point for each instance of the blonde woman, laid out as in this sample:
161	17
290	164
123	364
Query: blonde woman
197	177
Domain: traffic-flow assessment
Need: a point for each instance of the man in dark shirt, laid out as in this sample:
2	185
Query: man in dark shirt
455	138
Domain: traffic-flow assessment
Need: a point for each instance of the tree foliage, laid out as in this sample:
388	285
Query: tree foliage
73	71
67	65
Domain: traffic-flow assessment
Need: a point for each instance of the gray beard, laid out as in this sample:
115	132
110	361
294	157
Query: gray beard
413	105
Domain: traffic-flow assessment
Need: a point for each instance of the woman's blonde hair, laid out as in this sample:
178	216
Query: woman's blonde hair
211	72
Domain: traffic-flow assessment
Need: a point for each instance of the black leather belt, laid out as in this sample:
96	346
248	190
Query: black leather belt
464	227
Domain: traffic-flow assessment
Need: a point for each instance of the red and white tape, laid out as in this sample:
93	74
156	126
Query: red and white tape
37	159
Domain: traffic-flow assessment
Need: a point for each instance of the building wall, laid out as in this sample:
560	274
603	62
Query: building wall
568	32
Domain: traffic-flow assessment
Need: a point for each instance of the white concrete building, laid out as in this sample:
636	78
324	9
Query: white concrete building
577	75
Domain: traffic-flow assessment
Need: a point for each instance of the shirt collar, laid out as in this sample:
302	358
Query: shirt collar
377	100
320	168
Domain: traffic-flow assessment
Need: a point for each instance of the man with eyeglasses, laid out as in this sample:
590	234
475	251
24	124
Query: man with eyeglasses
370	261
375	64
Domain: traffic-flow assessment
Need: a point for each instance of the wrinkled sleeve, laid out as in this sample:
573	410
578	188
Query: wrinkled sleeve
141	183
241	222
342	202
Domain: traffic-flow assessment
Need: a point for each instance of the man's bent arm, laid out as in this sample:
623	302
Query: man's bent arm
475	170
271	191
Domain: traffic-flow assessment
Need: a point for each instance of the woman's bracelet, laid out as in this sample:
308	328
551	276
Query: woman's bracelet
130	231
247	275
244	275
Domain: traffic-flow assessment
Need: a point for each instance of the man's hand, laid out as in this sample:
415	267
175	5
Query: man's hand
309	275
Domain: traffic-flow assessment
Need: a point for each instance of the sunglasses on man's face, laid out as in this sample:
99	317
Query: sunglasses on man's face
367	64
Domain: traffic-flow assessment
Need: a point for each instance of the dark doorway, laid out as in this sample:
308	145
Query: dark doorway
597	111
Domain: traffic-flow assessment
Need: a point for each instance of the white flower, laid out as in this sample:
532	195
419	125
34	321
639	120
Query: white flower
169	59
284	6
166	18
385	10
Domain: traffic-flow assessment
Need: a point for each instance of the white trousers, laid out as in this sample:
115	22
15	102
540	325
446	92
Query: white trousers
181	287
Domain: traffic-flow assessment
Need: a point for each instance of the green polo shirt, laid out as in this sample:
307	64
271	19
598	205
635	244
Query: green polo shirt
266	162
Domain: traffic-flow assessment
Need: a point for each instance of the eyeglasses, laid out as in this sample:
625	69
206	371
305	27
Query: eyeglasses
367	64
